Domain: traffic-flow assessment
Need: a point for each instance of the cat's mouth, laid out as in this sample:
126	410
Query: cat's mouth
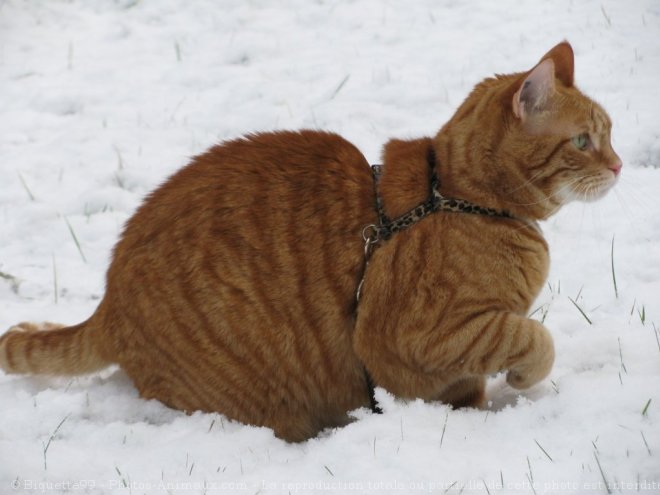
591	187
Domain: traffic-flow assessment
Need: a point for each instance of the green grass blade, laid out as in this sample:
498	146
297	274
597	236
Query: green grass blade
581	311
544	451
75	239
646	407
25	186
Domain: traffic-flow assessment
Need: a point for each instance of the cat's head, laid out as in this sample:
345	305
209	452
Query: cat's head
543	142
549	109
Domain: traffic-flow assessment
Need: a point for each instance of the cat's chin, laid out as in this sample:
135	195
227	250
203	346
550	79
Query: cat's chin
594	196
589	191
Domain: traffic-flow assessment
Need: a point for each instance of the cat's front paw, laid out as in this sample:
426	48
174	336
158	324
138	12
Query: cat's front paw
536	365
522	379
526	376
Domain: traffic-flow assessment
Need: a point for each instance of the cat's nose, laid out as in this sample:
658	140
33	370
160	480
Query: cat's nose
616	167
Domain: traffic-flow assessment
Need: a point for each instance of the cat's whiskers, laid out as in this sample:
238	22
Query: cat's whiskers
640	198
548	198
629	192
526	183
593	186
591	190
624	207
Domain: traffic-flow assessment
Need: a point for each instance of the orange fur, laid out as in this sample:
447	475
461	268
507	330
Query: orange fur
233	286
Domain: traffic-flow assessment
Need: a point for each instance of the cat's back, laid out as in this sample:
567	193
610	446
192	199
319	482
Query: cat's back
272	171
266	196
277	211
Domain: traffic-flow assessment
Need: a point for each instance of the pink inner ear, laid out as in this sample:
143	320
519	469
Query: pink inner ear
535	89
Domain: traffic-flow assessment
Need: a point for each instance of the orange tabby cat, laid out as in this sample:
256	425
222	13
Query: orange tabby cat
233	286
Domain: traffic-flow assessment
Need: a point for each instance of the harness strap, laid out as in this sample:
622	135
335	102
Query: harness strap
373	403
435	202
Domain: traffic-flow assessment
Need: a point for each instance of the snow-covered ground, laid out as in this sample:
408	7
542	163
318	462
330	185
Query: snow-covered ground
101	100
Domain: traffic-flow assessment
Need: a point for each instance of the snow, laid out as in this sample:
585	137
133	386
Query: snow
101	100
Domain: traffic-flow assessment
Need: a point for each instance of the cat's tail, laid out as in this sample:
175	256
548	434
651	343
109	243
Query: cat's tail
51	349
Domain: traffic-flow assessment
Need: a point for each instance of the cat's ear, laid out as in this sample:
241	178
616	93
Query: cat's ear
562	56
534	90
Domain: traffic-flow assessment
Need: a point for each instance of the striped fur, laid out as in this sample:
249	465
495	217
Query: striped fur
232	288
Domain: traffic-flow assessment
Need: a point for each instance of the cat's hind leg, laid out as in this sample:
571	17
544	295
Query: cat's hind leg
468	391
301	425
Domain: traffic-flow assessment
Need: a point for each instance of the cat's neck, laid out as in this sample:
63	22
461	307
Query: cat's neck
487	183
472	169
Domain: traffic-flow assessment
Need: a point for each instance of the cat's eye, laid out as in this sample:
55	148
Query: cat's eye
581	141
